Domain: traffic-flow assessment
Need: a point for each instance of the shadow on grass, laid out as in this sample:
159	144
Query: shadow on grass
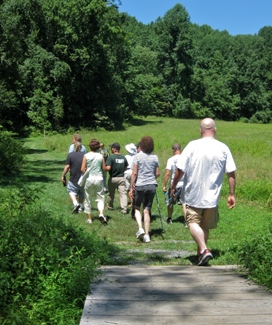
30	151
141	121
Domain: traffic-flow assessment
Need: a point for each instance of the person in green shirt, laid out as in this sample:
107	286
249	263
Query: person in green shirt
116	165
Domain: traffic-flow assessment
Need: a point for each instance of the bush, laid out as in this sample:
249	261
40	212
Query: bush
255	255
12	154
261	117
46	266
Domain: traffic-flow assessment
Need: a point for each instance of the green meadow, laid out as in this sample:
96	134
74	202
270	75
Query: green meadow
251	146
49	256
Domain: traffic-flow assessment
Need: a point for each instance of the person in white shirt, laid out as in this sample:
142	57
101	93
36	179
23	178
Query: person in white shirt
169	174
203	163
132	150
76	137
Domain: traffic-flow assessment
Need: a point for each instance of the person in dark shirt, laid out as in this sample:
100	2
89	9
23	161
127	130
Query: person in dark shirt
73	164
116	165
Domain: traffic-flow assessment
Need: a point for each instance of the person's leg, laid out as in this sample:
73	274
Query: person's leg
149	194
105	185
170	209
100	200
73	191
146	221
138	216
198	236
88	202
123	194
111	194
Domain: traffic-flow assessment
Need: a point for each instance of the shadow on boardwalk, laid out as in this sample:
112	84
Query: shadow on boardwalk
163	295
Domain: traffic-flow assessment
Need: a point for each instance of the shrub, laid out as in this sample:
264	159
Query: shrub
255	255
12	155
46	266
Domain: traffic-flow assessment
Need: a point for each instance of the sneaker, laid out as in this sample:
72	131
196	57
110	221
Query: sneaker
109	208
140	233
204	258
89	221
169	220
102	218
146	239
75	209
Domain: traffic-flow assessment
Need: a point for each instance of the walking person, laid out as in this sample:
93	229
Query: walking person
132	150
116	165
203	163
105	154
77	138
94	162
73	164
169	174
143	179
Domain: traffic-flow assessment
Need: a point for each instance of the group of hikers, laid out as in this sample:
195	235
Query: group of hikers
193	178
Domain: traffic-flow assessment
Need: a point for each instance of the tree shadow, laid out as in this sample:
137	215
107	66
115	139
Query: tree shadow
141	122
30	151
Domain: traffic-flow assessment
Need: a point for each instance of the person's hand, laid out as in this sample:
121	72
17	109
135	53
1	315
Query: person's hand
173	191
231	201
131	193
164	189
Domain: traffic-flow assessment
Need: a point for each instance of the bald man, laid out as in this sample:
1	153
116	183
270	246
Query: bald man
203	164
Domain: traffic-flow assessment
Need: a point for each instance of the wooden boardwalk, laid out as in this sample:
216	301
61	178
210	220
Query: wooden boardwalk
163	295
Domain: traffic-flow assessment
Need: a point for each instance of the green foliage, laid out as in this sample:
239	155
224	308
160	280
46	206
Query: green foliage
256	190
12	155
255	255
46	263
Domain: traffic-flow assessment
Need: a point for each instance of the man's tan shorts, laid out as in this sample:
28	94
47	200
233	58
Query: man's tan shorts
206	218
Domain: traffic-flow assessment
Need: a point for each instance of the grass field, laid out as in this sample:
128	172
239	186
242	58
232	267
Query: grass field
251	146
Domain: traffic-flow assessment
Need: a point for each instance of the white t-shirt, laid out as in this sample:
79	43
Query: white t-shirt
204	162
172	166
129	159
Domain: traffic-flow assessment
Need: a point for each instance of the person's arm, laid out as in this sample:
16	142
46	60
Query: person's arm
108	164
157	172
83	165
178	175
165	180
133	179
65	171
232	185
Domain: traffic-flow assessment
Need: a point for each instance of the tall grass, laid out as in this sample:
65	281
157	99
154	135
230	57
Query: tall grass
250	145
236	240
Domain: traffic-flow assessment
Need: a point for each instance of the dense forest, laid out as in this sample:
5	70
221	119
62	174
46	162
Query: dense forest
67	64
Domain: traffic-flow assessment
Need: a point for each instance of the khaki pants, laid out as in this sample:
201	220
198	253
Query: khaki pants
119	184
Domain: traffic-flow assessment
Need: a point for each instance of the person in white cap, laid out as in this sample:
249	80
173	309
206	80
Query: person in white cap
132	150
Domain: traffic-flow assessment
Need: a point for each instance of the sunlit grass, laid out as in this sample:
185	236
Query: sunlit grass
252	150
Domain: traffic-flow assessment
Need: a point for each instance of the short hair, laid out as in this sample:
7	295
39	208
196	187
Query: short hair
147	144
77	137
94	144
116	145
77	146
176	146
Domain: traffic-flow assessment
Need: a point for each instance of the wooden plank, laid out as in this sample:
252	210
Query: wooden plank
177	296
